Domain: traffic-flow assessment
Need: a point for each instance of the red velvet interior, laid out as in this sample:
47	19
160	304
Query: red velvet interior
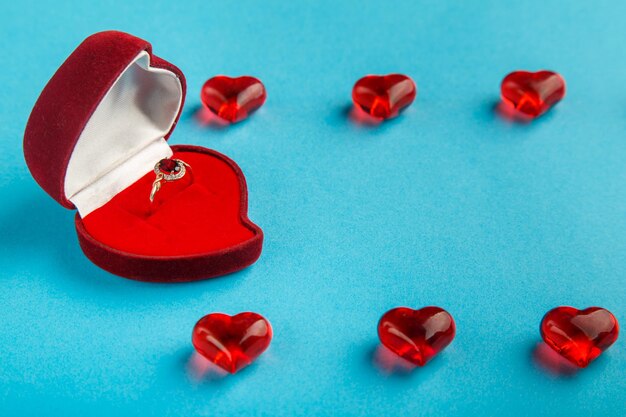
196	214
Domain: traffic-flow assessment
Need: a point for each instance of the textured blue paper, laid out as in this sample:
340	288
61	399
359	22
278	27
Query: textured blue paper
448	205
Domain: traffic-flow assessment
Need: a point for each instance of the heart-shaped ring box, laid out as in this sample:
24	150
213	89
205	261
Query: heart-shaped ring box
92	141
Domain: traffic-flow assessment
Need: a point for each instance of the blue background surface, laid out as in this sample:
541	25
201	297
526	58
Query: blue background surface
449	204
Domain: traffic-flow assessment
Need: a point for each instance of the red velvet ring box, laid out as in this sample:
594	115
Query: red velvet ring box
92	141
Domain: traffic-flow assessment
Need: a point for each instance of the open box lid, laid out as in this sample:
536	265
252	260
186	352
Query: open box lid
102	121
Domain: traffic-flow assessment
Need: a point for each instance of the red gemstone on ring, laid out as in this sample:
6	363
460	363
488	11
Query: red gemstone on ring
532	93
232	342
233	99
579	335
384	96
416	335
168	166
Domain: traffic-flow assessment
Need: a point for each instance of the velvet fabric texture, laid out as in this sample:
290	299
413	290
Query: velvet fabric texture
196	228
70	98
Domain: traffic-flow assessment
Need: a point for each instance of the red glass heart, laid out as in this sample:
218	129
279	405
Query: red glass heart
232	342
416	335
384	96
579	335
233	99
532	93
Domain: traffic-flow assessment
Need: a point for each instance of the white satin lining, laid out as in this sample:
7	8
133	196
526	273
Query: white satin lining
124	137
